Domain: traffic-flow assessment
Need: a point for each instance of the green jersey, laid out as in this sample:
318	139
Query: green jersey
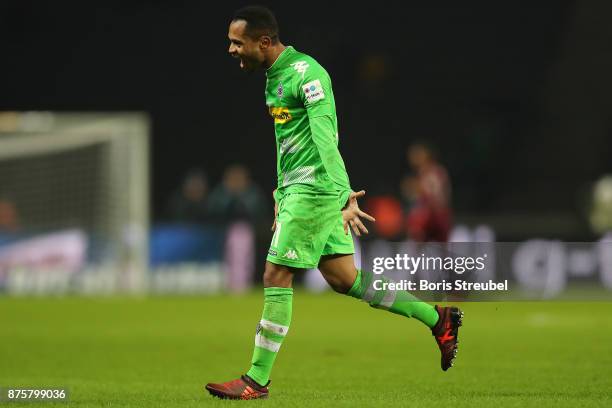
300	99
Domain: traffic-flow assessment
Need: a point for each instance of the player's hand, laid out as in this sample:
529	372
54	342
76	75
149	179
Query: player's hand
352	215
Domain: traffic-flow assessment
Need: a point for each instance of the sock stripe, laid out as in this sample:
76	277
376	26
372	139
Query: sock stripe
265	343
387	300
399	302
274	327
271	336
370	292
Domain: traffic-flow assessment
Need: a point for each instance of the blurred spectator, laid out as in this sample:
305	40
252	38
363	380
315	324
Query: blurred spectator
189	204
9	220
388	213
429	216
408	192
237	198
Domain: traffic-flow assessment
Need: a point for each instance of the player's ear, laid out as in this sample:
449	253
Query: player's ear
264	42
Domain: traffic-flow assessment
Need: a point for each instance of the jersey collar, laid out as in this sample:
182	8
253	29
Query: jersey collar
279	60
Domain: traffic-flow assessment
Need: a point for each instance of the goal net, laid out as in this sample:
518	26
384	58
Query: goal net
74	192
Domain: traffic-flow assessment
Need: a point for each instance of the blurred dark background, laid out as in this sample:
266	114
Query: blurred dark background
515	97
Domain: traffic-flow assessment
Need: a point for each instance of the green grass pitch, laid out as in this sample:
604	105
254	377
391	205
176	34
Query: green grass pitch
159	351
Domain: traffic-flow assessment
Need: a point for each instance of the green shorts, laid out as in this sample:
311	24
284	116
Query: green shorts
308	226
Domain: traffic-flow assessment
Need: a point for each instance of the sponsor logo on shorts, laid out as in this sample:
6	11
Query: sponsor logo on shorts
272	252
291	254
280	114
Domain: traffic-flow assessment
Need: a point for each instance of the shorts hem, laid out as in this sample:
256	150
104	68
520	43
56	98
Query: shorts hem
348	251
287	262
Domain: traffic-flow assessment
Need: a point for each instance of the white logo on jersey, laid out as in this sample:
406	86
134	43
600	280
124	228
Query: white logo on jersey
300	67
291	254
313	91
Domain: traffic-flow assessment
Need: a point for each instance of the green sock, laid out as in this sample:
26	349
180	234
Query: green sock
271	331
399	302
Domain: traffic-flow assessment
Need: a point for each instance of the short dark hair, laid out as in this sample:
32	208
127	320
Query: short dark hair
260	21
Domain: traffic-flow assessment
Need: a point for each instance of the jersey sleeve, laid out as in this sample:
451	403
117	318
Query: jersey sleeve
316	94
324	137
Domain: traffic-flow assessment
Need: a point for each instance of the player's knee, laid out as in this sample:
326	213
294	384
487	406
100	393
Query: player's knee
340	286
339	282
277	276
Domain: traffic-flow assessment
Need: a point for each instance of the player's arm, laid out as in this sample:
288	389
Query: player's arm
315	93
321	119
324	137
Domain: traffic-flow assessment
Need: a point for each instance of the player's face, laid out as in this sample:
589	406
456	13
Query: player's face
243	47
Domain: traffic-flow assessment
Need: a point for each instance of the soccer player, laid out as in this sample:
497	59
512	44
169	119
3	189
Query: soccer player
314	203
429	218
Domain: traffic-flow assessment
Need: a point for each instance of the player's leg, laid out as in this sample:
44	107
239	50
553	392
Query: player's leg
275	320
340	272
291	249
271	330
338	268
